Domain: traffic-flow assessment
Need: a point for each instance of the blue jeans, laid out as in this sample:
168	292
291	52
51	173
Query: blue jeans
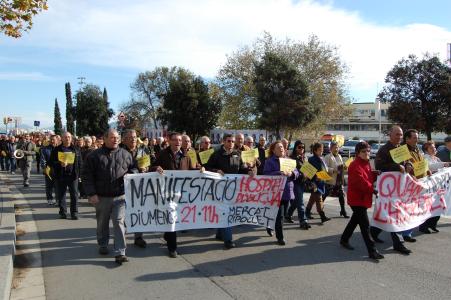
299	199
11	164
2	162
225	234
407	232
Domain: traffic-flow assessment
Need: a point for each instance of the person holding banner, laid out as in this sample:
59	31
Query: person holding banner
319	185
172	158
46	169
272	167
65	161
384	162
360	198
261	154
298	154
334	186
445	153
434	163
103	181
130	143
227	160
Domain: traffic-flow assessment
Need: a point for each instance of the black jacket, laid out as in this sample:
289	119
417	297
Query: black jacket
70	172
104	171
229	163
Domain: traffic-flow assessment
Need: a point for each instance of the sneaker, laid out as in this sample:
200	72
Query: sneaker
409	239
173	254
289	220
304	226
26	184
281	242
13	173
140	242
74	217
402	250
119	259
229	245
103	250
269	231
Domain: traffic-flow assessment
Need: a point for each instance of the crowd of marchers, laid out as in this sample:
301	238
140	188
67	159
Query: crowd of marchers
94	168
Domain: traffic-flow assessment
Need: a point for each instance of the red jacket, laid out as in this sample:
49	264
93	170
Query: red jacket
360	183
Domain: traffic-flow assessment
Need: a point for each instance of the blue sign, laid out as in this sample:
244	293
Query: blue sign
37	123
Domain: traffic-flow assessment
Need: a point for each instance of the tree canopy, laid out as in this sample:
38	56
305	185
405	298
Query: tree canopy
187	105
318	63
70	111
419	93
16	16
282	101
92	111
58	124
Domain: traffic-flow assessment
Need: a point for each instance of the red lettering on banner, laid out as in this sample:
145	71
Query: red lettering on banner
387	181
378	214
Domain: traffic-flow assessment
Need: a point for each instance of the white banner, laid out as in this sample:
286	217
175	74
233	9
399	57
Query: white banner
404	203
179	200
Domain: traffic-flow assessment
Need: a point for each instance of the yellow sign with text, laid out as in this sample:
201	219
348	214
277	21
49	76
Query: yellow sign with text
400	154
205	155
67	158
323	175
420	167
193	157
349	161
308	170
266	153
256	154
143	161
287	164
248	156
47	172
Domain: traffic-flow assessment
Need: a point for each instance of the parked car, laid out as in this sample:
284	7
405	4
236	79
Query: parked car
374	148
348	148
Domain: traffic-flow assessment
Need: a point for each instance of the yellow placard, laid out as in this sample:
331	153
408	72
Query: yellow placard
266	153
143	161
323	175
420	167
400	154
47	172
205	155
349	161
66	157
193	157
256	154
248	156
309	170
287	164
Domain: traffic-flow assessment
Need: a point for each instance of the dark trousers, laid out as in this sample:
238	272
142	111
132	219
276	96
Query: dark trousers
61	187
2	162
49	187
359	217
375	231
279	220
171	239
430	223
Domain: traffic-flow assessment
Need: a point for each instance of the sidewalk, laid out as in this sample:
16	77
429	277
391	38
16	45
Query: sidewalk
7	237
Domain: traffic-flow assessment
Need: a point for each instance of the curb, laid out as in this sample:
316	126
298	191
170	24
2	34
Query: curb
7	238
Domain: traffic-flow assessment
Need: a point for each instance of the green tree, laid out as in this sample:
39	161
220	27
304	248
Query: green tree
188	107
92	111
318	63
58	125
148	92
282	95
70	126
16	16
419	93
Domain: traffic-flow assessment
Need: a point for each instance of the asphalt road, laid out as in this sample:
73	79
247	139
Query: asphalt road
311	266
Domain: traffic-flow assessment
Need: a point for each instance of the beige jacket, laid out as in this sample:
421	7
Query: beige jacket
332	163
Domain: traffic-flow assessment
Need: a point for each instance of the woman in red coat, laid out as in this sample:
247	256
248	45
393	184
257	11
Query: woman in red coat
360	196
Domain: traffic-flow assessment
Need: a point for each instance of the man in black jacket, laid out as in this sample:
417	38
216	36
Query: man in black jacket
103	181
45	165
385	163
65	162
227	160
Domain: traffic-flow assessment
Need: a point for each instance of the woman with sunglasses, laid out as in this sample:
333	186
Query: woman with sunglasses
298	154
360	198
272	167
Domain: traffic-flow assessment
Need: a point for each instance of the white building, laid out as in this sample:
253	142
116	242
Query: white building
364	123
